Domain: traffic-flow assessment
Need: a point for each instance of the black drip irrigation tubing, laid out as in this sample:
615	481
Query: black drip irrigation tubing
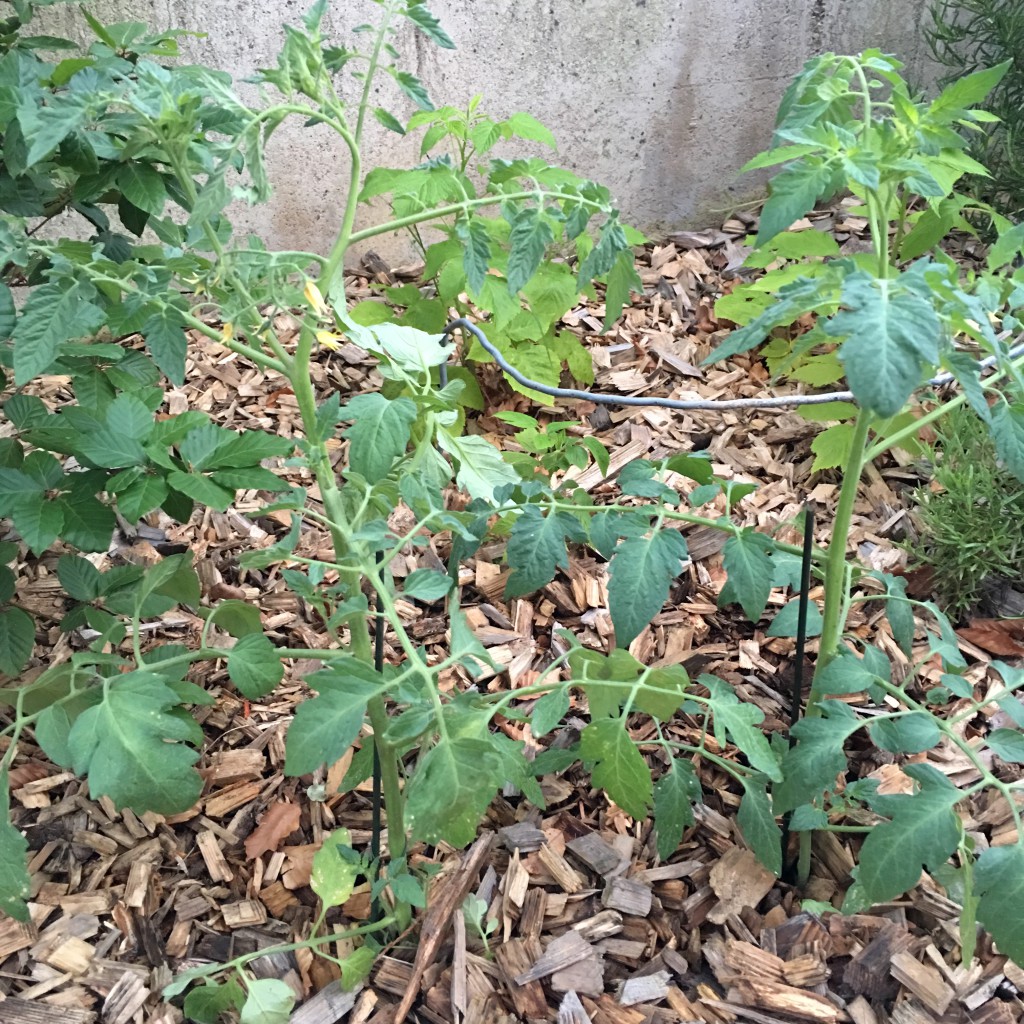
776	402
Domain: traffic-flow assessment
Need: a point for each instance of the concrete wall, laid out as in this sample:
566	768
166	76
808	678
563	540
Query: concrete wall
661	100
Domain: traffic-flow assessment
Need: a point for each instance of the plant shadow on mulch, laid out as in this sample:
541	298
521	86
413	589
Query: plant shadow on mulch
587	923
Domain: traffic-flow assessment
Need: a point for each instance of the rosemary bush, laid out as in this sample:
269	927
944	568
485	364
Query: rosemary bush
972	524
965	35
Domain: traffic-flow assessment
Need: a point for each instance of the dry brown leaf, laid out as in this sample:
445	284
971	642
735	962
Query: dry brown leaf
279	821
1004	637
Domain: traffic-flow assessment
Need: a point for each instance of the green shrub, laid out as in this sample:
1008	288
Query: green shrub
123	139
965	35
972	525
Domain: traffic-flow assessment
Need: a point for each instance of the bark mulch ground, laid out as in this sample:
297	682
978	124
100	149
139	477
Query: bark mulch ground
588	924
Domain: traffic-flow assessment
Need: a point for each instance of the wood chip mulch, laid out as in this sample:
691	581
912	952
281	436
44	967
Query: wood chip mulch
587	924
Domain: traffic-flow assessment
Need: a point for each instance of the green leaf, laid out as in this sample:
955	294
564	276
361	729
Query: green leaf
536	548
740	721
239	618
325	727
600	454
201	489
899	611
642	570
254	666
809	768
999	881
118	443
476	253
406	347
239	451
379	434
8	320
525	126
832	446
79	577
17	488
757	823
410	725
602	257
1007	426
358	965
44	128
143	187
428	25
53	314
481	469
808	819
779	155
792	301
612	677
528	241
907	734
968	91
451	790
408	889
675	793
172	579
749	570
924	830
165	338
891	337
1006	247
17	637
88	523
413	88
793	193
786	619
333	877
845	673
131	749
694	466
663	693
388	120
426	585
1008	745
464	646
619	768
622	281
549	711
15	884
39	524
206	1003
930	227
268	1001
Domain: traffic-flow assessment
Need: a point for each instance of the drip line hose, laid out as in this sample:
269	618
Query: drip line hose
777	402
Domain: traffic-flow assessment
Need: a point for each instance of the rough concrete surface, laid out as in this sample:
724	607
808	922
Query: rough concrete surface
661	100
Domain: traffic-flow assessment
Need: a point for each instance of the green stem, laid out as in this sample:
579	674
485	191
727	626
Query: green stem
390	778
721	523
835	563
330	282
286	947
329	272
462	207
